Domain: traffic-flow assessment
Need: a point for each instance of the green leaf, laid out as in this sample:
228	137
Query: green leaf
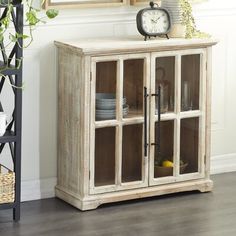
22	36
51	13
32	18
5	21
13	38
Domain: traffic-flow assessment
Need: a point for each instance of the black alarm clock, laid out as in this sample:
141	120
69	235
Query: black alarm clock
153	21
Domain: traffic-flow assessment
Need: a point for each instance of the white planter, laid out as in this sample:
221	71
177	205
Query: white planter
174	7
177	31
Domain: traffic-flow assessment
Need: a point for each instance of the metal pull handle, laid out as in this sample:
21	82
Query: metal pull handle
158	141
145	121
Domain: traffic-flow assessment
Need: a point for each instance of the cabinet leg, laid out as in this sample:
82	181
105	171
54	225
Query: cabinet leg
16	213
207	187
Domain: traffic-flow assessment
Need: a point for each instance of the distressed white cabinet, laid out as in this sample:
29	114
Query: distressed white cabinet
167	87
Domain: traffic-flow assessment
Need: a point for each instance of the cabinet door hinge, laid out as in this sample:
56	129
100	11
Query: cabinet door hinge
89	175
206	65
90	76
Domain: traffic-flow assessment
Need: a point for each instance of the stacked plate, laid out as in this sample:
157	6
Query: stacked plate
175	10
106	106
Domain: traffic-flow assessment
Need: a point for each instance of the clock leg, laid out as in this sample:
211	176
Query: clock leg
145	38
167	36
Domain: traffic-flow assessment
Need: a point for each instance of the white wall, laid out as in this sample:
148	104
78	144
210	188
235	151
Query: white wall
218	19
40	94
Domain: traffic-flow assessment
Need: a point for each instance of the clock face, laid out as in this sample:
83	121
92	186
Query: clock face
155	21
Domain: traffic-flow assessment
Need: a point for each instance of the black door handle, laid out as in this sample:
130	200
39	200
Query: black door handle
158	141
145	121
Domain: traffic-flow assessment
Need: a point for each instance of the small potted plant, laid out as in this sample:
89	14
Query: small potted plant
183	20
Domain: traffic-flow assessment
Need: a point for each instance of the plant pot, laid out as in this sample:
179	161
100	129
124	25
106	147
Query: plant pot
175	10
160	171
177	31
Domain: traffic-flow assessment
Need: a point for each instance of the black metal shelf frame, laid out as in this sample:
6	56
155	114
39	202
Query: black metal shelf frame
11	70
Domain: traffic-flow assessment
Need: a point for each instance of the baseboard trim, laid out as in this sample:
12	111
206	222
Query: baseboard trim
38	189
223	163
45	188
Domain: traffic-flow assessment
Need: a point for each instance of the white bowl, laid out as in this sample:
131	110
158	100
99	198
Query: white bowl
107	101
110	114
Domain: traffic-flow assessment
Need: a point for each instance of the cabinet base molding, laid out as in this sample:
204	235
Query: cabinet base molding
75	200
93	201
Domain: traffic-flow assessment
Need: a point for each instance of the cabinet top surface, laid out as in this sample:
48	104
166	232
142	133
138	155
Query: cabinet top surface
132	44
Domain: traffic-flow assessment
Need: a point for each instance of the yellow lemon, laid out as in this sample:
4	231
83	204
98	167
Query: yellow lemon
167	163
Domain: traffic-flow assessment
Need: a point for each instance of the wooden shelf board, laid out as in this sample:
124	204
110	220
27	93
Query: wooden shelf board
133	117
190	114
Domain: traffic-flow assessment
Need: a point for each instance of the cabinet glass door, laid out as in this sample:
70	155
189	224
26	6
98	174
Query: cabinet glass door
133	160
133	87
117	156
163	118
177	118
192	115
164	149
132	153
190	82
189	145
105	142
165	81
105	97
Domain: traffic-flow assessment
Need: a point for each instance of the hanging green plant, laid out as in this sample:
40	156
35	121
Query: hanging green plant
189	22
31	15
8	37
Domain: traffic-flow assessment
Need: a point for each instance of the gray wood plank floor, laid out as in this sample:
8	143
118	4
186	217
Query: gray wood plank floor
195	214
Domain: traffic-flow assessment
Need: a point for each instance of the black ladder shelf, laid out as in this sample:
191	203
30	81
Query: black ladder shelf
11	72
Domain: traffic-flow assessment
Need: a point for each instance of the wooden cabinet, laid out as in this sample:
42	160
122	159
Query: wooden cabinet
165	86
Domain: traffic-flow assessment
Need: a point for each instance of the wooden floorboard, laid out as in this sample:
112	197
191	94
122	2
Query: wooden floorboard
185	214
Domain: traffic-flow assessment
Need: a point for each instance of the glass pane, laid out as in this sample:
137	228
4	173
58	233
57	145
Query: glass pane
105	156
133	87
106	90
164	155
189	145
190	82
165	78
132	153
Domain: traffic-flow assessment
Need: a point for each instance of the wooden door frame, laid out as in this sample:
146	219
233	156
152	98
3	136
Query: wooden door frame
201	113
116	123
